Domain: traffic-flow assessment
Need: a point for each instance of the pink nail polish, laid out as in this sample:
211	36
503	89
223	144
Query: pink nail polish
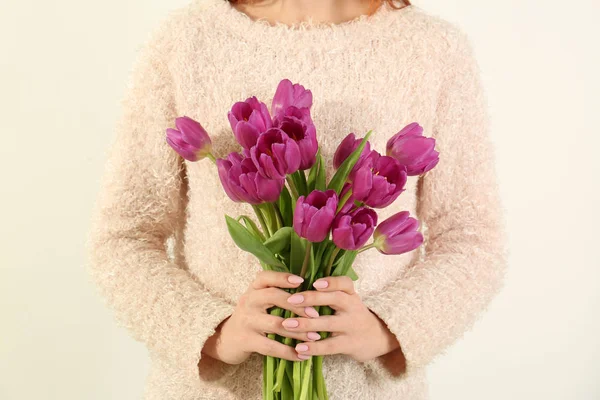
321	284
311	312
296	299
301	347
290	323
295	279
303	356
313	336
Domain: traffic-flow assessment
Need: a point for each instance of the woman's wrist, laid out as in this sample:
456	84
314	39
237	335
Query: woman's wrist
392	357
213	343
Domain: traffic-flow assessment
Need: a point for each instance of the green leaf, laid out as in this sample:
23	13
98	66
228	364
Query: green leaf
312	266
345	263
252	227
312	174
248	242
326	256
300	182
316	175
352	274
321	183
285	207
341	175
320	249
280	240
289	370
298	249
303	184
339	257
286	388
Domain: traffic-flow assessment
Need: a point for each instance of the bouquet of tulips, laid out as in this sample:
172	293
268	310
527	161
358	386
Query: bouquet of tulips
306	225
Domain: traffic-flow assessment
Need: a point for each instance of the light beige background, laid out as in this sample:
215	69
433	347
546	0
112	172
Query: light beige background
64	66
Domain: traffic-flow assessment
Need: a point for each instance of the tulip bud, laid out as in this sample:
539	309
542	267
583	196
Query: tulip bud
416	152
243	183
351	231
298	125
288	94
378	181
398	234
189	140
248	119
346	147
275	154
314	214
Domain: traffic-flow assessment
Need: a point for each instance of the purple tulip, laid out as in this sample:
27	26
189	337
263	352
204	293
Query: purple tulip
248	119
398	234
190	139
379	180
243	183
288	94
351	231
298	125
275	154
413	150
314	214
346	147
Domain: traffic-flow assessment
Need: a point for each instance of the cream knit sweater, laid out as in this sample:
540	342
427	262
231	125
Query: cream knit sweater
159	249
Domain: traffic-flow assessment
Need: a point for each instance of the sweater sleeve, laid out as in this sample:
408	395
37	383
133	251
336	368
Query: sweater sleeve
142	203
440	296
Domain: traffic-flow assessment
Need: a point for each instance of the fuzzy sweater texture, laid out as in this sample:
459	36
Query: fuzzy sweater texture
159	250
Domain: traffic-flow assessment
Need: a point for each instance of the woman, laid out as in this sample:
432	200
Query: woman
160	252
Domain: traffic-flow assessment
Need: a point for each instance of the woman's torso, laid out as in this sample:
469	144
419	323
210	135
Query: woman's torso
378	74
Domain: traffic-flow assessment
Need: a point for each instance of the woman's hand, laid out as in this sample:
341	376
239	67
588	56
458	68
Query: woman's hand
356	331
245	330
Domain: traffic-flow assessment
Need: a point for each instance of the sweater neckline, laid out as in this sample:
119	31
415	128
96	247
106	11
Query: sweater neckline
247	27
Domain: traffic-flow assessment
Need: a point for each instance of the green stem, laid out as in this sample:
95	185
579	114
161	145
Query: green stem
269	217
288	314
211	157
306	376
331	260
344	199
277	215
297	382
270	368
271	365
264	377
282	364
290	183
306	259
319	381
261	219
370	246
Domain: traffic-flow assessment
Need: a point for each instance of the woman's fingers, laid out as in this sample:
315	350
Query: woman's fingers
325	323
269	347
265	279
331	345
265	323
333	283
337	300
272	296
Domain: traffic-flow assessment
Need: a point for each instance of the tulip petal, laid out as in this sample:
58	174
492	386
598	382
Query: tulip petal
184	149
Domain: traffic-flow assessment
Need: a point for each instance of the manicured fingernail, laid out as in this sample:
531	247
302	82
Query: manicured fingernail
303	356
295	279
313	336
321	284
301	347
296	299
311	312
290	323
